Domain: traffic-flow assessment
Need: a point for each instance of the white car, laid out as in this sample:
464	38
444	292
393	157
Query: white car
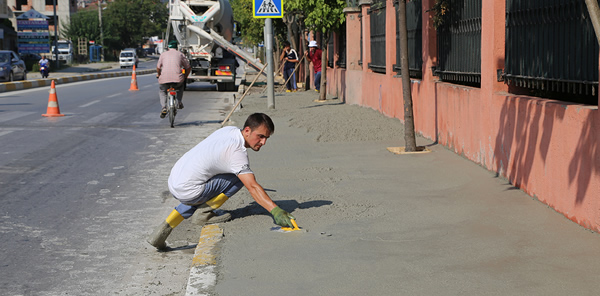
128	58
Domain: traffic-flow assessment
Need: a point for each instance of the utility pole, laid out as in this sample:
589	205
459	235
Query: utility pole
269	61
101	33
56	36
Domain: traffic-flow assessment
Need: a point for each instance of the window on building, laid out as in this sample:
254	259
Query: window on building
20	3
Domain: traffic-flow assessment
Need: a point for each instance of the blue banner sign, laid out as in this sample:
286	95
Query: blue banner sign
34	47
32	25
33	36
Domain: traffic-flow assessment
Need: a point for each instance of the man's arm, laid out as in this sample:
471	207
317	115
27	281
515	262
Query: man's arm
280	216
257	192
296	57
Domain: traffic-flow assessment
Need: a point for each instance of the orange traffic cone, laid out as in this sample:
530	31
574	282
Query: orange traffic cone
133	81
53	110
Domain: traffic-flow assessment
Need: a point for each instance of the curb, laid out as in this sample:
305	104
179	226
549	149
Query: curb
203	277
20	85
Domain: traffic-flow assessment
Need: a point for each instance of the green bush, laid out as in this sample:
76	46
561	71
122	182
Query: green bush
29	64
35	68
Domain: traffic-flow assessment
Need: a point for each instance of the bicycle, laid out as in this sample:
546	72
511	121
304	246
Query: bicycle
172	102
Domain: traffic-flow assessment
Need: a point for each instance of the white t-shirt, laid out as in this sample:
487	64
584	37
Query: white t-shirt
222	152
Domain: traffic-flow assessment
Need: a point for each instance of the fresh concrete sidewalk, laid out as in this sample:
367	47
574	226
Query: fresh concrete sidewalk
377	223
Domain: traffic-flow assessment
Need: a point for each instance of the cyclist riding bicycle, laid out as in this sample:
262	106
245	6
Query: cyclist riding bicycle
169	69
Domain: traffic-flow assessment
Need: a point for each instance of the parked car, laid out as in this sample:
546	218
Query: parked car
12	67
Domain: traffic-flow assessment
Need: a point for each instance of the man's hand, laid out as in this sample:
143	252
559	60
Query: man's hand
282	218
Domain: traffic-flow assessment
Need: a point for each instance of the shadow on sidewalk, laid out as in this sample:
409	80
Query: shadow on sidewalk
289	205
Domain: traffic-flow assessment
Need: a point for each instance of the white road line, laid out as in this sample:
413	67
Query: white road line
10	115
104	117
2	133
89	104
112	96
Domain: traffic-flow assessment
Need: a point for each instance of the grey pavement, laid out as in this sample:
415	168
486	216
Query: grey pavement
377	223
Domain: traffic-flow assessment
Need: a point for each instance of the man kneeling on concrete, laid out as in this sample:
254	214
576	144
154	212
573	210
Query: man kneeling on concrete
213	171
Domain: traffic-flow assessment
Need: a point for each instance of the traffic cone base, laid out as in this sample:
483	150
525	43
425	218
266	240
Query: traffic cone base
53	109
133	86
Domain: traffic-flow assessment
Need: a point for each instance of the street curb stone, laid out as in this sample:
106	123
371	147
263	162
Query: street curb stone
203	277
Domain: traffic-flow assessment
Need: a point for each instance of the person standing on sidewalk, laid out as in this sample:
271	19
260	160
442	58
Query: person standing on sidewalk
289	55
172	67
213	171
314	55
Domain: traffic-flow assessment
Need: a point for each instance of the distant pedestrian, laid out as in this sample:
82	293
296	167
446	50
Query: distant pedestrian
289	55
314	55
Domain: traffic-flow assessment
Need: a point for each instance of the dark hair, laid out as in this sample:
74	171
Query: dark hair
257	119
286	44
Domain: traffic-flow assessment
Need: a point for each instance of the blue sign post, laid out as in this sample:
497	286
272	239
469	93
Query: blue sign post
267	8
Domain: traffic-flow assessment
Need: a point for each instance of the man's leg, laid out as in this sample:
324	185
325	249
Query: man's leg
216	192
180	87
162	95
159	236
286	75
293	80
318	81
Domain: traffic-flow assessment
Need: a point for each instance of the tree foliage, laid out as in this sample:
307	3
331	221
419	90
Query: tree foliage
84	24
125	23
130	21
320	15
252	29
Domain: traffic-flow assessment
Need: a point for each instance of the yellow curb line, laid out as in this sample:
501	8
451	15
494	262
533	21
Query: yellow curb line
209	237
203	276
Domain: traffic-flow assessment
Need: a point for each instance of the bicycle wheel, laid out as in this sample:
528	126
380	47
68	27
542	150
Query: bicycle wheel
172	109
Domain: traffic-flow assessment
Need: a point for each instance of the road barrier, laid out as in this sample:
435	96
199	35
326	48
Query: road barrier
133	86
53	109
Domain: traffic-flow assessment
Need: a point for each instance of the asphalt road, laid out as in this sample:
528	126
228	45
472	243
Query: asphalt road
80	193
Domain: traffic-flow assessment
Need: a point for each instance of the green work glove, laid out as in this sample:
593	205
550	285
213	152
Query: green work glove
282	218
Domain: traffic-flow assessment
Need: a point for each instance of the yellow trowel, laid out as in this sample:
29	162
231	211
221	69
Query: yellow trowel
287	229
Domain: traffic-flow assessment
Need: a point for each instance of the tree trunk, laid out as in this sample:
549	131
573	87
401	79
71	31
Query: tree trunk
409	123
323	93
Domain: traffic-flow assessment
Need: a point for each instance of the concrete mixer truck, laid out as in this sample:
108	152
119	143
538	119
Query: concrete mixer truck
204	30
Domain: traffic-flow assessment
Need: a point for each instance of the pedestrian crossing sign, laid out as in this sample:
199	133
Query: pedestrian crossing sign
267	8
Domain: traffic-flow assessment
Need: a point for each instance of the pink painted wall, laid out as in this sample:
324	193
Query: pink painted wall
549	149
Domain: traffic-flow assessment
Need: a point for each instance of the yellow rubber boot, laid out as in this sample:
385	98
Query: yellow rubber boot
160	234
205	213
216	202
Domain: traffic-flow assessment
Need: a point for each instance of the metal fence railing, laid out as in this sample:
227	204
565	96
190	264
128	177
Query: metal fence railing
378	20
414	19
360	19
551	46
459	43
